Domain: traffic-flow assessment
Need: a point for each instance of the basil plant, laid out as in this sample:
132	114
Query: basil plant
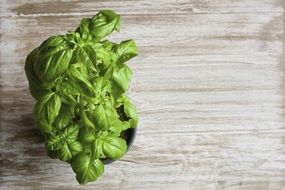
79	81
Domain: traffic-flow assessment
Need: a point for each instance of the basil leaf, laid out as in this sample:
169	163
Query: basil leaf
53	41
101	87
121	78
104	23
86	136
68	150
65	142
85	120
84	25
35	87
53	59
97	148
65	88
82	84
109	46
86	55
46	110
86	168
129	110
117	126
104	57
104	114
126	50
69	134
131	113
113	147
64	118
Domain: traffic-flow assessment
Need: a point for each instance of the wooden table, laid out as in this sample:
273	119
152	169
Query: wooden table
208	85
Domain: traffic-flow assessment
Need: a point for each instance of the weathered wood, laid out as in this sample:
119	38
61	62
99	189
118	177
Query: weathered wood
208	85
167	7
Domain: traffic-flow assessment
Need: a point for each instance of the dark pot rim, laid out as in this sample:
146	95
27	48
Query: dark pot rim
131	134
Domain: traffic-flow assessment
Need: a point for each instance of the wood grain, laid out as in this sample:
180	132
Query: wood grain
208	85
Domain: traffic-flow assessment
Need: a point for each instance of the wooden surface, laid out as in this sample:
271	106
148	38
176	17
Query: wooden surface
208	85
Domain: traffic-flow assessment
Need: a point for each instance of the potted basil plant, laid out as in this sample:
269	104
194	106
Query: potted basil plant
79	81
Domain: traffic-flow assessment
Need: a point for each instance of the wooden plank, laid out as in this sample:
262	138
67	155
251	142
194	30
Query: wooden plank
208	85
55	7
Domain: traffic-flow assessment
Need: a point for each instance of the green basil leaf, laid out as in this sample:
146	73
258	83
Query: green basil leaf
82	84
104	57
53	59
65	88
35	87
109	46
69	149
113	147
86	168
103	116
129	110
75	73
51	65
97	149
117	126
104	23
101	87
86	55
53	41
54	142
84	25
65	142
64	118
86	136
46	110
85	120
131	113
121	78
69	134
126	50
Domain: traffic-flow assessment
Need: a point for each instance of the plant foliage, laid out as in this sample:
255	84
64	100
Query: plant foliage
79	81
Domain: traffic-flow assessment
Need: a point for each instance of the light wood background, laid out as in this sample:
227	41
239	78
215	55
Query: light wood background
208	85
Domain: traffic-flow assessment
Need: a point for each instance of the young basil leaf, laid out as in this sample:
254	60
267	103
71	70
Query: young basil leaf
86	55
101	87
64	118
121	78
76	74
104	57
82	83
117	126
86	168
86	135
126	50
46	110
69	150
85	120
109	46
104	23
103	116
131	113
129	110
84	25
65	142
113	147
65	88
56	140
